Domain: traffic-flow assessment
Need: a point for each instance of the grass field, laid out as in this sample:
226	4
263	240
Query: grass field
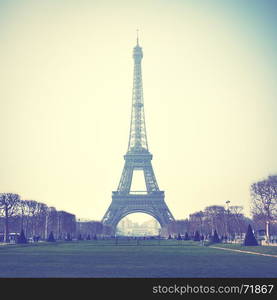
170	258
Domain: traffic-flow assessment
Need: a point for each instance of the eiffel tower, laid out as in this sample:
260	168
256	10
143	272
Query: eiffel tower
138	157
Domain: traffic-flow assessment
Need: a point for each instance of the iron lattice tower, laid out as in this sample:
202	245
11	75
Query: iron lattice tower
138	157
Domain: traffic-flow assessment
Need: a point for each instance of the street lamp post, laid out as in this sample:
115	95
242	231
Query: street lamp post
228	212
267	228
267	232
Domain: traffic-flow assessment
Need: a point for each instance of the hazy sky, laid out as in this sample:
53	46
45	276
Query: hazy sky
209	75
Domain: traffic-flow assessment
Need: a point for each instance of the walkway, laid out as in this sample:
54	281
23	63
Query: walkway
242	251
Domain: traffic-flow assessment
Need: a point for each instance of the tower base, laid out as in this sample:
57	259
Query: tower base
124	204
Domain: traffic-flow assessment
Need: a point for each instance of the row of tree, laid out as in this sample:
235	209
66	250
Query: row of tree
232	222
227	222
36	219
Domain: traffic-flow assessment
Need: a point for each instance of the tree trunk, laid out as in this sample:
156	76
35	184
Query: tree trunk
6	225
22	221
27	227
46	226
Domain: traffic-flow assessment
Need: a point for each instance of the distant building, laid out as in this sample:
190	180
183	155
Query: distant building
127	227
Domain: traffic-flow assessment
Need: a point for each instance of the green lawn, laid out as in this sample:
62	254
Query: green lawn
127	259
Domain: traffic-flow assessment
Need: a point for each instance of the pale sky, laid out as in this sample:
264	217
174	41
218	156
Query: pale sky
209	76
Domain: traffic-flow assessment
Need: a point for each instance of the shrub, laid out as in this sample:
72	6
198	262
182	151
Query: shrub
186	238
196	236
51	237
250	239
215	238
22	239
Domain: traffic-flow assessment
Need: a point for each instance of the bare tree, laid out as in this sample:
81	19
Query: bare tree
174	228
264	200
23	211
31	209
237	221
40	219
35	218
196	222
51	221
215	219
8	206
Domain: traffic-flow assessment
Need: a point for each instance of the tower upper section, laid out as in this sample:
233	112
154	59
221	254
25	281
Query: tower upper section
137	53
137	137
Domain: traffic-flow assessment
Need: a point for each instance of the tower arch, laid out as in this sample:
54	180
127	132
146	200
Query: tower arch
138	224
138	211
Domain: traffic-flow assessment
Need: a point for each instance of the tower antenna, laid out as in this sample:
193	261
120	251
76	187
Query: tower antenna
137	37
